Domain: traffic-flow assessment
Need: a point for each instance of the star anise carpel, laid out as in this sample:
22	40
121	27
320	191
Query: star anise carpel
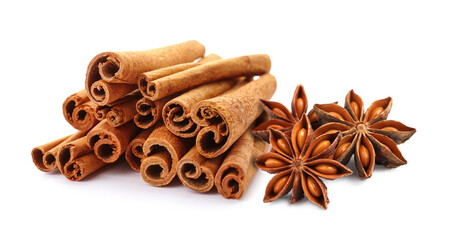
283	119
299	161
366	134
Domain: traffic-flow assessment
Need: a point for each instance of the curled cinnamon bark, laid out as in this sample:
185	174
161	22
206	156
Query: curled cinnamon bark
109	142
147	77
149	112
208	72
79	111
238	169
197	172
122	113
76	160
135	151
177	112
225	118
163	150
111	75
44	156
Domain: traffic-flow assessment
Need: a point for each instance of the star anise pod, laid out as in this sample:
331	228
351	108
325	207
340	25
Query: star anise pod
283	119
299	161
367	135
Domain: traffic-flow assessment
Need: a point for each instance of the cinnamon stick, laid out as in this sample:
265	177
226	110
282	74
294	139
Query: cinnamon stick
79	111
122	113
197	172
76	160
108	142
135	153
208	72
238	168
44	156
111	75
225	118
147	77
177	112
163	150
149	112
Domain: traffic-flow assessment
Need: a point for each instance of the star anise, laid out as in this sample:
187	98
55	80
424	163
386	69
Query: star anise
299	161
367	135
283	119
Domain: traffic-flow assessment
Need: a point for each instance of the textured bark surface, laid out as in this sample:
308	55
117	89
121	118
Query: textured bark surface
111	75
163	150
225	118
79	111
208	72
109	142
238	168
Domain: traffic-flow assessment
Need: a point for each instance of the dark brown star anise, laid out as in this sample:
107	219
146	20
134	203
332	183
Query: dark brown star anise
299	161
367	135
283	119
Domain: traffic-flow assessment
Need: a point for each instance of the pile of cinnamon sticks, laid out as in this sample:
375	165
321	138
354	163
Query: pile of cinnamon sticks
169	112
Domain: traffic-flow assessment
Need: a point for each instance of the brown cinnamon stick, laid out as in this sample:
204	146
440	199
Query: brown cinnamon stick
163	150
208	72
177	112
238	168
135	153
111	75
76	160
197	172
109	142
225	118
44	156
147	77
122	113
149	112
79	111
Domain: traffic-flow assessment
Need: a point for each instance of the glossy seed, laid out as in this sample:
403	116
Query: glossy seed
377	111
326	168
284	146
274	163
301	138
341	150
313	187
355	108
320	147
313	116
364	156
280	112
278	186
331	131
389	129
300	105
337	115
274	126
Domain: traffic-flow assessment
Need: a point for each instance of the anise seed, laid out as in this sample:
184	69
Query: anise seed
300	105
364	156
279	112
273	163
278	186
377	111
337	115
341	150
326	168
313	187
389	129
284	146
301	138
320	147
355	108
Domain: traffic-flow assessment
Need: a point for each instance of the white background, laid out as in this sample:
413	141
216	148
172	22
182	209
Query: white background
378	48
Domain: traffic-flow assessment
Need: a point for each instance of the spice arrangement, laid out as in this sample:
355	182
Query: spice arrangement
173	112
